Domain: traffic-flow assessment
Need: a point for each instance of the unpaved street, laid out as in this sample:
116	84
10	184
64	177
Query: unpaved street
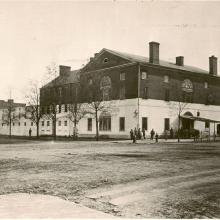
122	179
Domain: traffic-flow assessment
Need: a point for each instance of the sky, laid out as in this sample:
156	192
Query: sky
36	33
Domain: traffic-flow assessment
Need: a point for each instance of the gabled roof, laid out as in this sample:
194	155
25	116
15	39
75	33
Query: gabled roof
142	59
70	77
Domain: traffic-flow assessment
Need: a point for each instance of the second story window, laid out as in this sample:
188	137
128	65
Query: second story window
48	123
66	107
122	76
144	75
166	79
60	108
105	87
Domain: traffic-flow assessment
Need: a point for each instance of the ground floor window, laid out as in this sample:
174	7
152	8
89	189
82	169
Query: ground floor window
89	124
166	124
121	123
144	123
218	129
42	123
59	123
65	123
207	124
105	124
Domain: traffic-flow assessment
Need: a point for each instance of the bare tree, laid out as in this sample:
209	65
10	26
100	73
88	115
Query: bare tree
10	115
33	111
97	104
52	76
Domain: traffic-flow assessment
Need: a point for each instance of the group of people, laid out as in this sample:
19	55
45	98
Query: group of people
139	134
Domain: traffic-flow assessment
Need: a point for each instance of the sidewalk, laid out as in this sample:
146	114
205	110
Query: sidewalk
23	205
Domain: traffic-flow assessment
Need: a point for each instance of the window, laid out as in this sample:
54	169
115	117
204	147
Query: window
65	123
2	124
60	91
60	108
145	93
105	123
105	60
166	79
25	124
90	81
48	110
66	107
13	124
166	124
167	95
89	125
187	97
59	123
206	85
144	123
42	123
144	75
105	87
207	124
121	123
218	129
122	76
19	123
32	123
122	92
48	123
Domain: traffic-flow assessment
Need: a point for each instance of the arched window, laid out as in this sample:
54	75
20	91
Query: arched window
105	87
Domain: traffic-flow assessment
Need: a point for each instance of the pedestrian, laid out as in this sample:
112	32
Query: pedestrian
156	137
171	133
30	131
152	134
131	134
134	138
143	131
139	133
135	132
165	134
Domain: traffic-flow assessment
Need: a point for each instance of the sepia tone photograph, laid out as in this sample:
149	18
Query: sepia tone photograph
109	109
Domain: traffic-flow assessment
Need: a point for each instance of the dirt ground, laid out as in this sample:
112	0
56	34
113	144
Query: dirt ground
123	179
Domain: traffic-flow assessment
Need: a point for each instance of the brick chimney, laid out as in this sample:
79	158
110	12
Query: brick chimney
154	52
213	65
180	61
64	70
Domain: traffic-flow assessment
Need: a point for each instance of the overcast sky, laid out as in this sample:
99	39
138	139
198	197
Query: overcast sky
34	34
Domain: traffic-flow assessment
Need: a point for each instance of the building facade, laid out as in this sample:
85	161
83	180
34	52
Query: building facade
141	92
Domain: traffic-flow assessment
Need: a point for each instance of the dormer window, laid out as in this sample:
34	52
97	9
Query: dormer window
206	85
166	79
105	60
144	75
122	76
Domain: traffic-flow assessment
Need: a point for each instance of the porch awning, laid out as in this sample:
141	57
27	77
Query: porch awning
199	119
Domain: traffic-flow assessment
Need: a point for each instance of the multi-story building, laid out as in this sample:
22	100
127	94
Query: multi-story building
13	117
146	92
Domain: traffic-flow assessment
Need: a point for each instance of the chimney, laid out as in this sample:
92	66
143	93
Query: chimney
91	59
180	61
213	65
64	70
154	52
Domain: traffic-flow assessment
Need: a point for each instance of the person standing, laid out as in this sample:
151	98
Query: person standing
139	133
156	137
30	131
135	132
131	134
143	131
152	134
171	133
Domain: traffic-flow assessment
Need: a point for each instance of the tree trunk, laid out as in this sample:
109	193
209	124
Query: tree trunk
54	126
97	125
178	132
10	128
37	129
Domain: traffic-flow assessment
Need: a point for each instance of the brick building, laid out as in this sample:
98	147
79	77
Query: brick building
146	93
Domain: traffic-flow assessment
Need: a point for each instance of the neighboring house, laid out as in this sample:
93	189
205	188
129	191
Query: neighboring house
20	124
